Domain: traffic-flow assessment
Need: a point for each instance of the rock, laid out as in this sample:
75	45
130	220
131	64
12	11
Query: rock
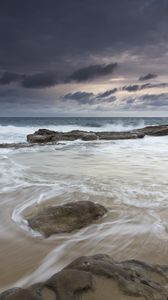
21	294
75	282
119	135
46	135
16	145
99	277
37	138
65	218
159	130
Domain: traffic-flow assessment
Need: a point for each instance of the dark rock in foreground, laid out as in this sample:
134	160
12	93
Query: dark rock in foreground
48	136
65	218
99	277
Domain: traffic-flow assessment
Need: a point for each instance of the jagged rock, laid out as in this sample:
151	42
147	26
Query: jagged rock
65	218
99	277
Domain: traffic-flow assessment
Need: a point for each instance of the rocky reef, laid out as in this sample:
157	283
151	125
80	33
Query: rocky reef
48	136
99	277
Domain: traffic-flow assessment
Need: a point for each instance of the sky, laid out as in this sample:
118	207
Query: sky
83	58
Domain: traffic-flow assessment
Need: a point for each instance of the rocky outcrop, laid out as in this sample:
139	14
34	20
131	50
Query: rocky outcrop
159	130
48	136
15	145
65	218
119	135
99	277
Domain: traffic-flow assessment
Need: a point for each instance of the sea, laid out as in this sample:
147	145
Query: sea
129	177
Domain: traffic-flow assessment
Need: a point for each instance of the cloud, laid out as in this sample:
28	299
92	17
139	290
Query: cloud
50	79
131	88
147	77
92	72
109	99
80	97
88	98
40	80
136	87
156	100
9	77
146	102
107	93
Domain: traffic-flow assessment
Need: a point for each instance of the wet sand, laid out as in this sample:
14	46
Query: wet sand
130	179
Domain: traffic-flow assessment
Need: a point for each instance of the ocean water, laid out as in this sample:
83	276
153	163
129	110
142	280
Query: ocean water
16	129
129	177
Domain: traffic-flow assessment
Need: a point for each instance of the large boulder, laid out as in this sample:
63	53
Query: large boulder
99	277
65	218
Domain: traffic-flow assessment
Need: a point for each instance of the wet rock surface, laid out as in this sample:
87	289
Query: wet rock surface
97	277
159	130
46	136
15	145
65	218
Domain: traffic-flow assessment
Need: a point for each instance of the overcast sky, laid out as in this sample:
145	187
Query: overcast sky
84	58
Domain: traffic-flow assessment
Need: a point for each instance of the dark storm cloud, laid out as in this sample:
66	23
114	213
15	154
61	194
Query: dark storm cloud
107	93
80	97
92	72
9	77
50	79
40	80
136	87
44	43
147	77
88	98
131	88
36	34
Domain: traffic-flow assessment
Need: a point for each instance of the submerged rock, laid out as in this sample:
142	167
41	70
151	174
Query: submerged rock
65	218
99	277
